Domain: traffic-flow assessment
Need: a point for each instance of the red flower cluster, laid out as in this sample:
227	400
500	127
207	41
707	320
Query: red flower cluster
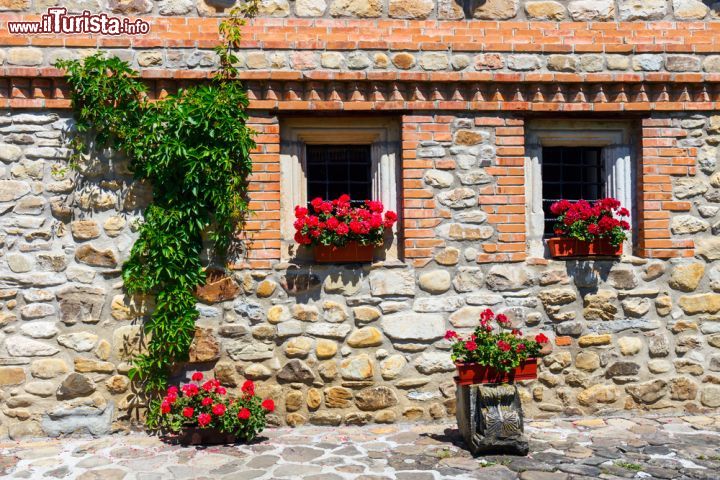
503	350
208	405
337	222
584	221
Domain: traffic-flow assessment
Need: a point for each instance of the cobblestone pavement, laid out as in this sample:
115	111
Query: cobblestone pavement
561	449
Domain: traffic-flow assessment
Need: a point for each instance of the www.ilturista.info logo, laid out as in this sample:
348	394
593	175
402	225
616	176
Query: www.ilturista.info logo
57	20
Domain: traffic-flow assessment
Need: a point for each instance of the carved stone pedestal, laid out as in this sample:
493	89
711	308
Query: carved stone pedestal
490	419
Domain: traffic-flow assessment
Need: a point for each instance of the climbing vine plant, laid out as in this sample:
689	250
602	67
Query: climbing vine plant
193	148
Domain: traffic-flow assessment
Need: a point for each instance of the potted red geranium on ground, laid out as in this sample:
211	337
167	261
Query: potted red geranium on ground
495	356
340	232
588	230
204	413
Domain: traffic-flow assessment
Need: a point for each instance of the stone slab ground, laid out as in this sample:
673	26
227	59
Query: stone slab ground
680	447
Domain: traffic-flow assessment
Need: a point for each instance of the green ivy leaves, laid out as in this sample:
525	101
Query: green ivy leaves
194	149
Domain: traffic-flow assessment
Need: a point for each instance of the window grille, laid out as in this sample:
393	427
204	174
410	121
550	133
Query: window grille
332	170
571	173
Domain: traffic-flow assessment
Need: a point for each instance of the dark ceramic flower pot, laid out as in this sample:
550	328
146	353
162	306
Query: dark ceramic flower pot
204	436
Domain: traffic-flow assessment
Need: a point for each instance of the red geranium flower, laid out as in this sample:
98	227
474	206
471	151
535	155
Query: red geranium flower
204	419
332	223
300	211
244	414
541	338
302	239
502	319
188	412
268	405
248	387
390	219
197	376
206	401
218	409
220	390
190	389
165	407
471	345
560	207
376	207
342	229
503	345
450	334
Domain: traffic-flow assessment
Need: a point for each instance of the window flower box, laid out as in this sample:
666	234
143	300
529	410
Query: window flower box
353	252
588	230
340	232
572	248
475	374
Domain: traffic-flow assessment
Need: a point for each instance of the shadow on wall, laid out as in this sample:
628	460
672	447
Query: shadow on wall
306	283
587	274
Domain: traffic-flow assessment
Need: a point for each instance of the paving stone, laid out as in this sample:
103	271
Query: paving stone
560	449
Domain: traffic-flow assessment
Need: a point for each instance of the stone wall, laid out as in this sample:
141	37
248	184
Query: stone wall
364	344
562	10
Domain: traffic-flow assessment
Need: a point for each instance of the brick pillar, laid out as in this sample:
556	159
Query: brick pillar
419	217
661	160
263	224
504	201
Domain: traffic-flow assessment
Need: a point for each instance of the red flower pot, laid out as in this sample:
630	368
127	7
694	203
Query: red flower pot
561	247
353	252
473	373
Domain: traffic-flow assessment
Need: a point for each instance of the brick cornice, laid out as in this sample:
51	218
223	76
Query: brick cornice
403	35
533	94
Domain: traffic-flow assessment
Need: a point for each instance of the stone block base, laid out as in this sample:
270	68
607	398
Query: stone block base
490	419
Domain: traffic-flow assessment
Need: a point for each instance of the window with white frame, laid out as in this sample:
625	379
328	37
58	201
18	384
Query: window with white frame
326	157
575	160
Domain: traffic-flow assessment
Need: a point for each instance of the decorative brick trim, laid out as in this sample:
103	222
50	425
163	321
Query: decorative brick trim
540	95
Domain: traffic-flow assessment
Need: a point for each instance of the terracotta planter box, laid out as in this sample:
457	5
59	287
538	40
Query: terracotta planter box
474	374
353	252
573	248
204	436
